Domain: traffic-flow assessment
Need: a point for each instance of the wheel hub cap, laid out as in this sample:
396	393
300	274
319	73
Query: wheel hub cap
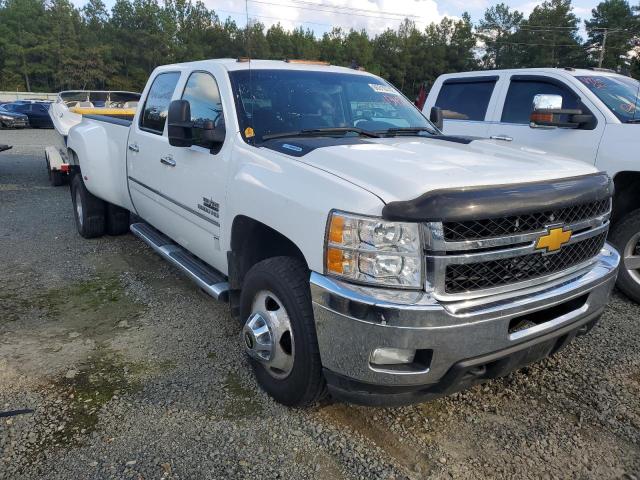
268	337
631	257
258	339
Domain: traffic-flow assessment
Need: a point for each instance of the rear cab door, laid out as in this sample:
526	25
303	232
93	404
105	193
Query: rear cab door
467	100
510	123
179	190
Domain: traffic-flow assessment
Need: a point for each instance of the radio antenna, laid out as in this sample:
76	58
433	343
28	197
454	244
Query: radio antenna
251	95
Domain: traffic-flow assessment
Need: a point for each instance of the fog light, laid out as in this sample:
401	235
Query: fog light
392	356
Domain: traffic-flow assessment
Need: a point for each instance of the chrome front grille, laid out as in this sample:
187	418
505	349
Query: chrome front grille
494	273
531	222
489	256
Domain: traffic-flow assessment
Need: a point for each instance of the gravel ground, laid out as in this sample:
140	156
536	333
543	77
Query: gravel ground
132	372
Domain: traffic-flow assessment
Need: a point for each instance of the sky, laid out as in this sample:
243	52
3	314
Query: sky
374	16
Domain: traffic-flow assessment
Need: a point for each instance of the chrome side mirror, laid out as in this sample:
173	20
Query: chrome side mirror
547	112
544	101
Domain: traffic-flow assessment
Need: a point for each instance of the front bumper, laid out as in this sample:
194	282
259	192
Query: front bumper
15	123
458	343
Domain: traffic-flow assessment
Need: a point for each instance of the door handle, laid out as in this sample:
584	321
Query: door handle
504	138
134	147
168	160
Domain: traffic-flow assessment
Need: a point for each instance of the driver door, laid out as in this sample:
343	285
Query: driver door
195	177
513	125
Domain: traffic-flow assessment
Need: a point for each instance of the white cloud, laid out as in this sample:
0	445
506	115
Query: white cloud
374	16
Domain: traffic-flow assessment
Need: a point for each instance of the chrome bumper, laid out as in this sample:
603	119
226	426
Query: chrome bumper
353	321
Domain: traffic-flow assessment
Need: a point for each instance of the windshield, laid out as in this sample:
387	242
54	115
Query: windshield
274	102
619	94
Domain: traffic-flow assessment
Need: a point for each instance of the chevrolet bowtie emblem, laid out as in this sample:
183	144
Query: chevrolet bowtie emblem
553	240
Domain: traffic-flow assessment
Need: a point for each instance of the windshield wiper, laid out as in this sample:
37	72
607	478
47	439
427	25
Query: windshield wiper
316	132
393	132
633	120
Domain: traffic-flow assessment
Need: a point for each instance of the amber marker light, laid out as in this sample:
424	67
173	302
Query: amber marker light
335	260
537	117
336	229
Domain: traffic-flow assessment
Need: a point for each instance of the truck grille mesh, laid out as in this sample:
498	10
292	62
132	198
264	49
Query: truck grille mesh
495	273
518	224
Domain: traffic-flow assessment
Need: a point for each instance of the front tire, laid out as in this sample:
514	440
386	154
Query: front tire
277	289
89	210
625	236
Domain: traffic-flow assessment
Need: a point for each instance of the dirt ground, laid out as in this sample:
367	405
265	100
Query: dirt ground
127	370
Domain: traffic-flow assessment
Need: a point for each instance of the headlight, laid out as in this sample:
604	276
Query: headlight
5	117
373	251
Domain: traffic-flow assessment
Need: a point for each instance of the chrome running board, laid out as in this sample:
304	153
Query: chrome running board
206	277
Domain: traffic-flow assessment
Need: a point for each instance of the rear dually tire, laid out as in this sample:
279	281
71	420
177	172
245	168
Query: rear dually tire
89	211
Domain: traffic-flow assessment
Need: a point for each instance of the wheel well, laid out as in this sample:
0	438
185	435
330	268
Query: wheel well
253	241
74	164
627	194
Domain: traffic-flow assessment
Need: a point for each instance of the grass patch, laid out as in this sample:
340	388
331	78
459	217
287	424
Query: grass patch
243	402
95	384
95	305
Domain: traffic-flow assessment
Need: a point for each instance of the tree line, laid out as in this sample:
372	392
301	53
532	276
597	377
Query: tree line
51	45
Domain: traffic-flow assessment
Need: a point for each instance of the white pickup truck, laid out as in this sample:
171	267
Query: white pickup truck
365	253
588	115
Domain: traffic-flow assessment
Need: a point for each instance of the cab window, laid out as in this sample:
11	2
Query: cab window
203	96
465	99
156	105
519	101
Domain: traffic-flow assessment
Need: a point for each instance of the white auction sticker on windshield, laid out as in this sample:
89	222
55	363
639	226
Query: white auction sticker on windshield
383	88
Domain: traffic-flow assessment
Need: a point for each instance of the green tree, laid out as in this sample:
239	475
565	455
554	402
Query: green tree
279	41
63	32
549	37
23	40
495	31
615	19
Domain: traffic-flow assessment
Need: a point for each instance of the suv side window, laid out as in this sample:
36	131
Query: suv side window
203	95
465	99
519	101
156	105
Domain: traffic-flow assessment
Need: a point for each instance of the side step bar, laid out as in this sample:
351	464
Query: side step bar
206	277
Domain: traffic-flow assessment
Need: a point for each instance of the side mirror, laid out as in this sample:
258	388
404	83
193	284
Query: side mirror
179	125
547	112
437	118
208	134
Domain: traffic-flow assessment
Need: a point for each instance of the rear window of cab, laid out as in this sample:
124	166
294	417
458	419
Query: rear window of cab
466	98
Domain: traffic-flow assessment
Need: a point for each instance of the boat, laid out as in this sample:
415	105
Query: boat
71	105
67	111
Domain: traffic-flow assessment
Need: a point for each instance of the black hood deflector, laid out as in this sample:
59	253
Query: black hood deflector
473	203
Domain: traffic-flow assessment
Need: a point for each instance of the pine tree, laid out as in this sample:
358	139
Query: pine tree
495	31
549	37
613	19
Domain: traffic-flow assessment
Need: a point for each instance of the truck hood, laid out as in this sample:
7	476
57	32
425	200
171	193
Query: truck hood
403	168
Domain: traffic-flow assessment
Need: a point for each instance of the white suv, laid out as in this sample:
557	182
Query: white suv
588	115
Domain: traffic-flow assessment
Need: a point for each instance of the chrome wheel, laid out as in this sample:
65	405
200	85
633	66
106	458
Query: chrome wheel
267	335
79	206
631	257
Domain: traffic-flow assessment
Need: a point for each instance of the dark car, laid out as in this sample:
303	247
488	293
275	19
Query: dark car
10	119
38	113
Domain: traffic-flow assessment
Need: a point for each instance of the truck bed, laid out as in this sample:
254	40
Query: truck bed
100	142
125	122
